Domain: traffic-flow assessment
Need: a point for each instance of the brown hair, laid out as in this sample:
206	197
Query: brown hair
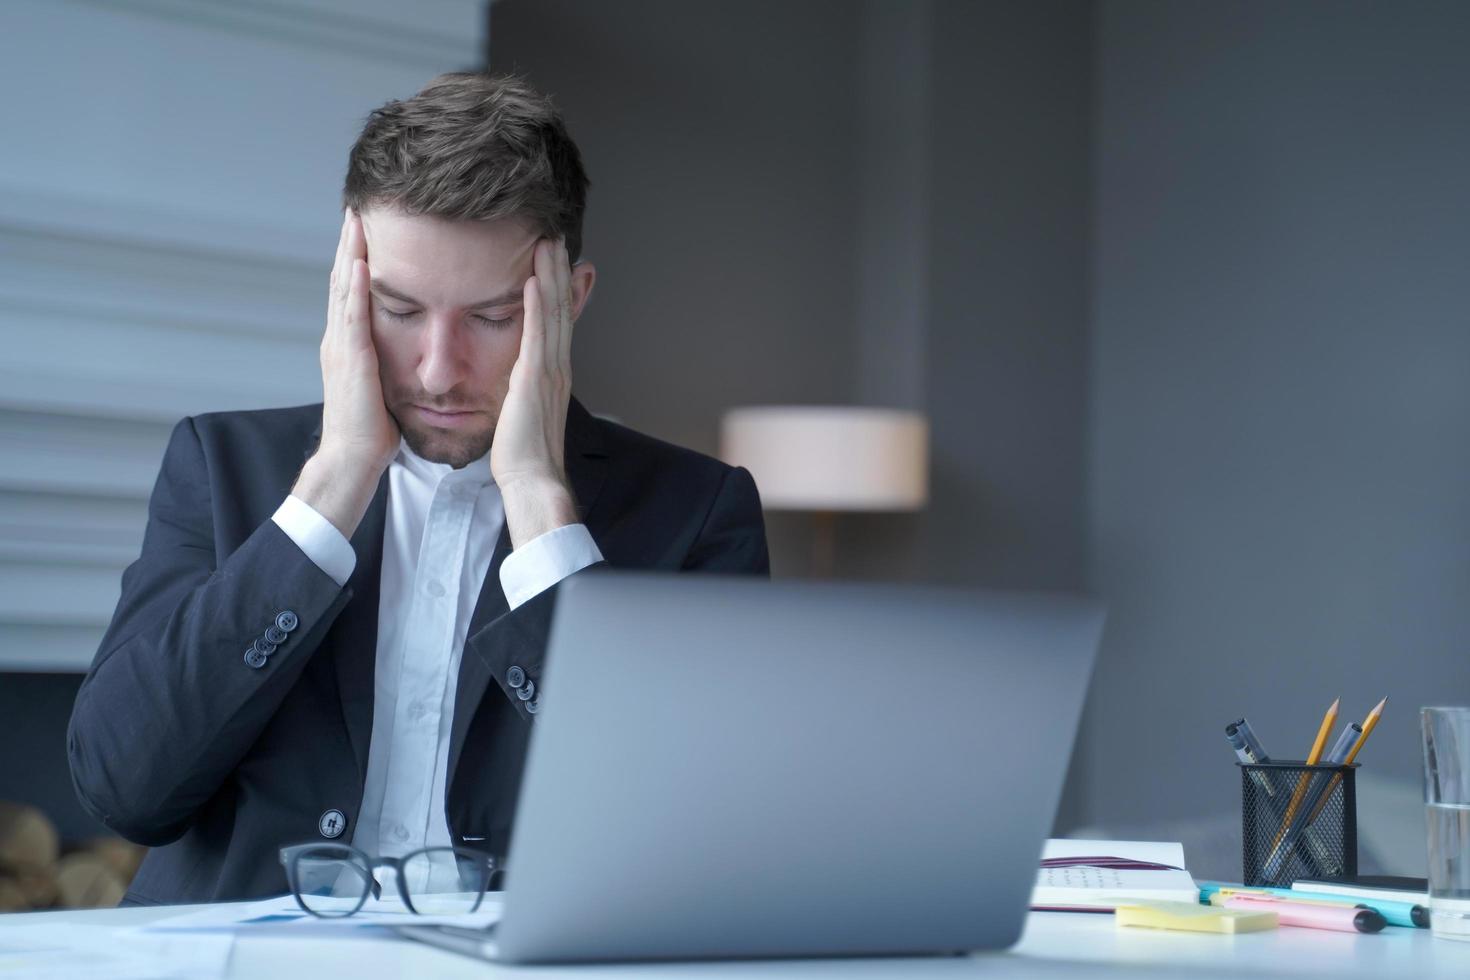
472	146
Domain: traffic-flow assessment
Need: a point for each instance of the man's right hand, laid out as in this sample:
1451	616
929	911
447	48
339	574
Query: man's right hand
359	437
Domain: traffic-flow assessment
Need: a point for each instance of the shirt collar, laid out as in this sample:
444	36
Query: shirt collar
473	473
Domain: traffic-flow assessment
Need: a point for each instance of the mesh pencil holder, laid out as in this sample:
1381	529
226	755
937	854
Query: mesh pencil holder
1297	821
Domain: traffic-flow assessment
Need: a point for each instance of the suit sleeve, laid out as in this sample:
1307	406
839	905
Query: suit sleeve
174	697
731	540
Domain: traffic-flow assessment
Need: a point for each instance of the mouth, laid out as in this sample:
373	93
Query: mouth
444	420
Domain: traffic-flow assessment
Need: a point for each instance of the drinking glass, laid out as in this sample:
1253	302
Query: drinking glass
1447	799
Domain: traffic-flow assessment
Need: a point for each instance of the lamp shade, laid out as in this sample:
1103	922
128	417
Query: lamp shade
831	458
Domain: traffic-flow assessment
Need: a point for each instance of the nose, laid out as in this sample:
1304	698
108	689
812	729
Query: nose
443	361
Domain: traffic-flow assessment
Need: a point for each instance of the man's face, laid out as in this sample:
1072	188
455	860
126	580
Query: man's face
446	302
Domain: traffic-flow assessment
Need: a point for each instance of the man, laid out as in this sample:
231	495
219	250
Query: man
336	628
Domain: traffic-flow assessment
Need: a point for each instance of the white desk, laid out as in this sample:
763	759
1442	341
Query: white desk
1055	944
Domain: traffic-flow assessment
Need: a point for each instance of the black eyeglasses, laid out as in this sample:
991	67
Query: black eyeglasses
334	880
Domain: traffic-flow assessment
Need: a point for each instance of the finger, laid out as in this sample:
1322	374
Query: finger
357	240
334	283
352	251
339	263
359	311
533	326
342	294
564	292
336	289
551	312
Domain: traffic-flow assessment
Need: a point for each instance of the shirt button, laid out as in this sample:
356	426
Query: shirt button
416	710
435	589
400	833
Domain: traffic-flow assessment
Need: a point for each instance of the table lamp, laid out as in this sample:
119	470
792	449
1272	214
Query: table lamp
827	459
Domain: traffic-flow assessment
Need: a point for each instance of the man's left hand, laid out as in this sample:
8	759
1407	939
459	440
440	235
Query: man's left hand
527	458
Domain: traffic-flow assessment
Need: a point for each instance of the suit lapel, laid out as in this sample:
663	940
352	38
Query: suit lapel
354	638
586	462
356	641
474	675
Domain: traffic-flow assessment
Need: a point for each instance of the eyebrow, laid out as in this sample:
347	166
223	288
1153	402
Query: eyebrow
504	299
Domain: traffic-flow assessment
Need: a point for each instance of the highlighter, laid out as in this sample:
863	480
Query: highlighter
1394	913
1340	918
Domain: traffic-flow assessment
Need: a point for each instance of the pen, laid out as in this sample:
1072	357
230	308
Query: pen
1343	747
1369	723
1249	751
1245	746
1394	913
1341	918
1366	729
1316	798
1252	744
1305	778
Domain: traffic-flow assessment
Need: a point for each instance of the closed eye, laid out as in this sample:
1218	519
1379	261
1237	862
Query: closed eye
403	315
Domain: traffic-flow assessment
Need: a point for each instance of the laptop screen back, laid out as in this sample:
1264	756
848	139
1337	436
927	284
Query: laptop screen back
734	767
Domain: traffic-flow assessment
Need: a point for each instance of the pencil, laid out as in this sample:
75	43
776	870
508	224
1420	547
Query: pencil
1328	720
1368	725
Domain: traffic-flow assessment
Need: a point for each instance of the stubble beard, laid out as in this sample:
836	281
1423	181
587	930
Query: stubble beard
441	446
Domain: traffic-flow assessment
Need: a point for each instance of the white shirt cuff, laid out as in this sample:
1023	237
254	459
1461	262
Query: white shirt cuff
545	560
318	537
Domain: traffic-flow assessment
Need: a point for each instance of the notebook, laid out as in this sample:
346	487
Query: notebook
1099	875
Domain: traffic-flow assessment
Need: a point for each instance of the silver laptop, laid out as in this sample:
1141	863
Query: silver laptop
730	767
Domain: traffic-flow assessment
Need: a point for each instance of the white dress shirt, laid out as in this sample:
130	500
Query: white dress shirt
438	540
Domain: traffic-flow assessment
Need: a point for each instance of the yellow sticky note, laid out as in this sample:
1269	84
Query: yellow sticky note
1193	917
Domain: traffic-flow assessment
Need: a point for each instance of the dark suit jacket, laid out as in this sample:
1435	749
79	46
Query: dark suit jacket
178	743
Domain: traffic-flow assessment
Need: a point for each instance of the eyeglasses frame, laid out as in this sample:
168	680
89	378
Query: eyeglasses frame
291	856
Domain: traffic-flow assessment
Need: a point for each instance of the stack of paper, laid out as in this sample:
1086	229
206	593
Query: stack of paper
65	952
283	913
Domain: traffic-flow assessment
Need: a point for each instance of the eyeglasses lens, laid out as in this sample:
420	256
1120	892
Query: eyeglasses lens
443	882
331	881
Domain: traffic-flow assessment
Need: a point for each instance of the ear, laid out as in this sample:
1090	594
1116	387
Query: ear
584	274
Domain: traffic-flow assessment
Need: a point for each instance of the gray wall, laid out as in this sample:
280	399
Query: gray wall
718	139
719	142
1005	375
870	203
1279	504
